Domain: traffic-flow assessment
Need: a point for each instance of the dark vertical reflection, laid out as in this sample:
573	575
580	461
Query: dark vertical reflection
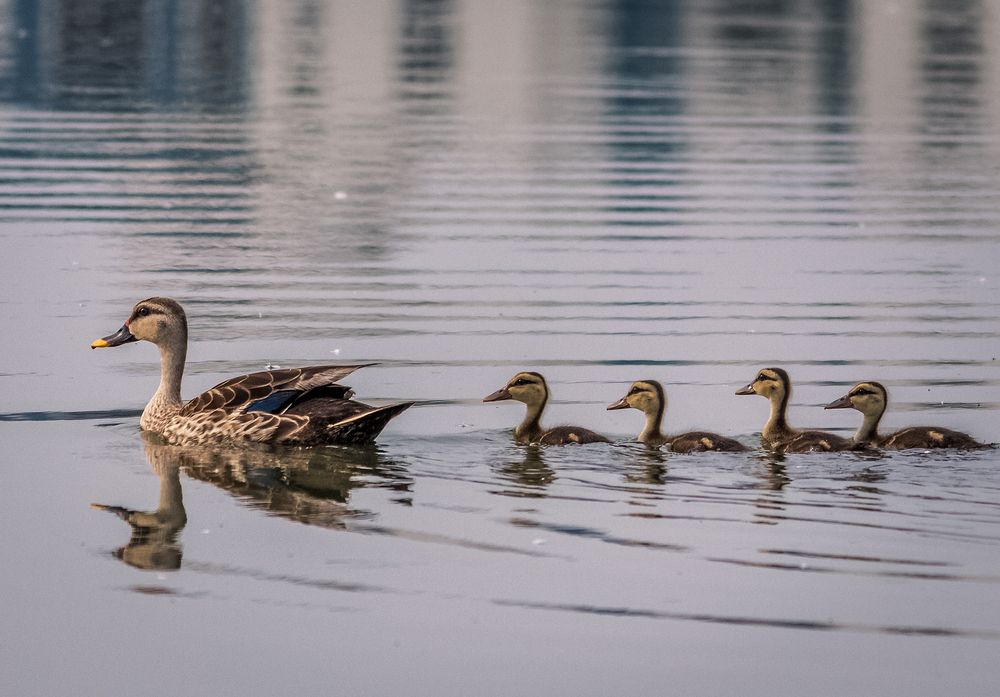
21	84
307	50
836	70
645	36
124	55
951	66
427	56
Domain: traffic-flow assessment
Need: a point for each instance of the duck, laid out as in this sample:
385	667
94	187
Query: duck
531	389
649	397
871	399
775	384
291	406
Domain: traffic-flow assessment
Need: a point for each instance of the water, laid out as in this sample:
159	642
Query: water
459	190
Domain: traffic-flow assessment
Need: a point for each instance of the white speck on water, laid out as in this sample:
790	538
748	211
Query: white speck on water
538	541
982	279
335	352
106	42
23	34
340	195
161	577
271	366
205	531
260	315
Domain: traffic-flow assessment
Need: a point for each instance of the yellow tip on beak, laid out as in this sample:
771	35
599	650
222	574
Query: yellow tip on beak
99	343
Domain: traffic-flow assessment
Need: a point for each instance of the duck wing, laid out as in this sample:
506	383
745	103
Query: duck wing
930	437
565	435
270	391
702	441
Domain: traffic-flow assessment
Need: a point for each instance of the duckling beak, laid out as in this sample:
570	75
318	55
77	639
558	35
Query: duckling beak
842	403
500	394
122	336
746	390
620	404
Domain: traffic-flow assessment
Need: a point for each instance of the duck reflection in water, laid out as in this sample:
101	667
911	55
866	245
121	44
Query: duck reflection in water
153	545
310	486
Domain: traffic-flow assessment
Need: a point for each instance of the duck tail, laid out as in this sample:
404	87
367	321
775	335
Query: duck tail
364	427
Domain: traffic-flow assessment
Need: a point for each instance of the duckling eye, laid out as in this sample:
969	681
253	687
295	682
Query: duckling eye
634	390
143	311
761	378
520	381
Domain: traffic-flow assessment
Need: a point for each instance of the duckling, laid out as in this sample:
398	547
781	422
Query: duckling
775	384
294	406
648	397
531	389
871	399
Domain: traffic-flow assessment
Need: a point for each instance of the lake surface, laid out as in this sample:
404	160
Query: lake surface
601	191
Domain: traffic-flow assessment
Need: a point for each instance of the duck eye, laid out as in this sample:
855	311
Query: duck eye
520	381
761	377
143	311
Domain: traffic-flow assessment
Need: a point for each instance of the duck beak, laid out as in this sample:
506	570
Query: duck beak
122	336
500	394
620	404
842	403
746	390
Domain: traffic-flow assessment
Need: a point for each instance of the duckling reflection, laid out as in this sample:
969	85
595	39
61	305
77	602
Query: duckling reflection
531	471
648	466
154	545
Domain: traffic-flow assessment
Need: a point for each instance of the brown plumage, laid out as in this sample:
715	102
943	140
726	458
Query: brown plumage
775	384
649	397
293	406
871	399
531	389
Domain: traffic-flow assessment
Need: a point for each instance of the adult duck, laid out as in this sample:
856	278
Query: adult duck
294	406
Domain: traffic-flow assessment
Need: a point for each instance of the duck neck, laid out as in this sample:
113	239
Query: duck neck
531	427
777	426
166	401
651	431
868	431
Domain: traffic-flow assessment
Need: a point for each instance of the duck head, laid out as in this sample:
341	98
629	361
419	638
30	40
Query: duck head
158	320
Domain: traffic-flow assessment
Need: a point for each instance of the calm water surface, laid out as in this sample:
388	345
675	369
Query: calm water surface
601	191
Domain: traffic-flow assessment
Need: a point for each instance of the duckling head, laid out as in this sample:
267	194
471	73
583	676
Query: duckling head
158	320
645	395
870	398
526	387
772	383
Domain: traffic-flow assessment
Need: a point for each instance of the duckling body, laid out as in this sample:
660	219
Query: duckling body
295	406
649	397
777	434
531	389
871	399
